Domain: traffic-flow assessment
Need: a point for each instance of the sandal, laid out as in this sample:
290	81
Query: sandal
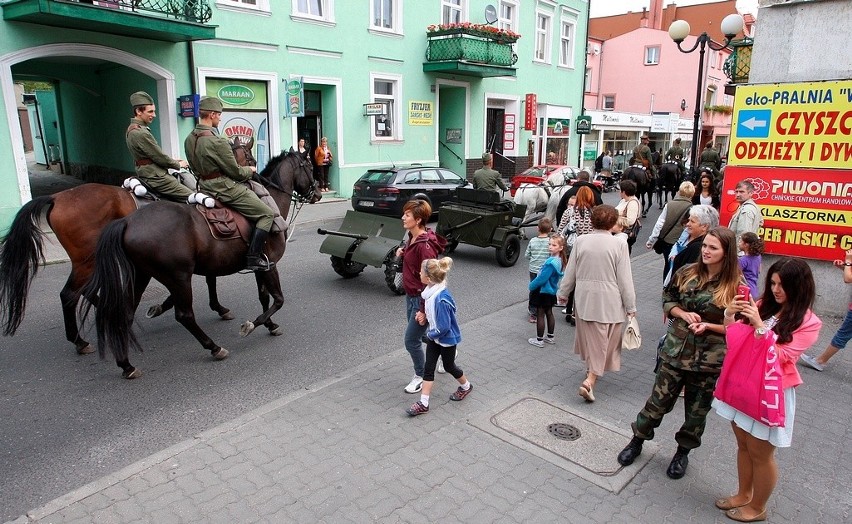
586	392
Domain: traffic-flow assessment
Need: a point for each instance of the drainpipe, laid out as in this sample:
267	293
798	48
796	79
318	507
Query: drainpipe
191	59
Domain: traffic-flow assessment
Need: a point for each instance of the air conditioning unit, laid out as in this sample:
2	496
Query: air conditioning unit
593	49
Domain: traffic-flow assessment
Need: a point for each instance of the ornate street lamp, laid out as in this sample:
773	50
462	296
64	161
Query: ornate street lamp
678	31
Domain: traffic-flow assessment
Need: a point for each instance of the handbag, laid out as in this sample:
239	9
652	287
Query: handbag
750	381
633	230
631	338
662	247
570	233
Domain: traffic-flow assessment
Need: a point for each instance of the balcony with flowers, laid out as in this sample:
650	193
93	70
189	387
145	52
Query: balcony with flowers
479	50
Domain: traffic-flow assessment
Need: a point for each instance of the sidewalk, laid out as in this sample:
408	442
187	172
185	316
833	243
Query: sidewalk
343	450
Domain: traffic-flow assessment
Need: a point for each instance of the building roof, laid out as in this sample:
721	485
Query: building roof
701	18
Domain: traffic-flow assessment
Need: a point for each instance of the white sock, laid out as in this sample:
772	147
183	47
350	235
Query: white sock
424	399
466	385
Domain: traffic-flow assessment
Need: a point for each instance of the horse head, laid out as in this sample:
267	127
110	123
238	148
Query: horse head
291	173
242	150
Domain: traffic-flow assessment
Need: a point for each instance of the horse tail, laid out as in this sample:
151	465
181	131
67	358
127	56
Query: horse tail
111	290
21	254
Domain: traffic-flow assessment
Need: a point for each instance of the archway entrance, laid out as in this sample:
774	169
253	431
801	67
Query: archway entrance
91	84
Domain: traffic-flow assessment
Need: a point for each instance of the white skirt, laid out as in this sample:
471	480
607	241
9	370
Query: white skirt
778	437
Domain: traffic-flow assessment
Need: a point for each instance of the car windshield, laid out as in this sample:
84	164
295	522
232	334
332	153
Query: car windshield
377	177
536	171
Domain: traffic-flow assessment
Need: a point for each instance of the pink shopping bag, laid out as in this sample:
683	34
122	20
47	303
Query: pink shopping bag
750	381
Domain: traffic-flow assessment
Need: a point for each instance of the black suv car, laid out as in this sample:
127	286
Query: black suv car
385	191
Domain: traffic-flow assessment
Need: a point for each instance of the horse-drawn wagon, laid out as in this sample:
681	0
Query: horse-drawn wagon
482	219
365	239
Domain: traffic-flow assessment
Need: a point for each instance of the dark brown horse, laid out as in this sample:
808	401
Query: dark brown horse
77	216
242	150
644	185
132	251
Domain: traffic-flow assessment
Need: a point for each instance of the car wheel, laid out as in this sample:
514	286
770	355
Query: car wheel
346	269
508	253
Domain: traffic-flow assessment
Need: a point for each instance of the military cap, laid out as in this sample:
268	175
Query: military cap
210	103
486	157
644	136
141	98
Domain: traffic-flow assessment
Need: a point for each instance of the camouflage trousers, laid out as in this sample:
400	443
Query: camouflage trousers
698	395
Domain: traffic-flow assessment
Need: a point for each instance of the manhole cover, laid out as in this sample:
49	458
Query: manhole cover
563	431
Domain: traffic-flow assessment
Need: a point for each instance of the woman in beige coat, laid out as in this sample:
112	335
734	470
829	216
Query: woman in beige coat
599	273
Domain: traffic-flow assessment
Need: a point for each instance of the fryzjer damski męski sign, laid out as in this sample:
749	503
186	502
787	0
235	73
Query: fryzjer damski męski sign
794	143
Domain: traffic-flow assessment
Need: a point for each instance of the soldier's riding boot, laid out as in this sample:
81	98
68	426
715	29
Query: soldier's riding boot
256	260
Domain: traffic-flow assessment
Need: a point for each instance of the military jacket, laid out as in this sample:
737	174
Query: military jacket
710	157
143	146
682	349
208	152
675	153
645	153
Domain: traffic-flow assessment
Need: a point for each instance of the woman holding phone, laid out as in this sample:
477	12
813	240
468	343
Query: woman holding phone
783	312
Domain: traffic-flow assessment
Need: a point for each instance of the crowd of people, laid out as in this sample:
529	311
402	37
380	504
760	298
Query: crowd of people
710	283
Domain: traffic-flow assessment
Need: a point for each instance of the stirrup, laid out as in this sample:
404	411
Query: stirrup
258	263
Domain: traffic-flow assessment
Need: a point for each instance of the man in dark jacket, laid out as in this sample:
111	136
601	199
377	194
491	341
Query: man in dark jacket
583	178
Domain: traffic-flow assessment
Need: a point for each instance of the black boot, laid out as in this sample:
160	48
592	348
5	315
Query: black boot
677	468
256	260
629	454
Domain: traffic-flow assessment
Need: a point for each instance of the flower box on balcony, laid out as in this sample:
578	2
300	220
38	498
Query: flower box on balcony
472	46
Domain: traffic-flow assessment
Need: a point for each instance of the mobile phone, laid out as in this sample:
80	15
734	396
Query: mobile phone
745	291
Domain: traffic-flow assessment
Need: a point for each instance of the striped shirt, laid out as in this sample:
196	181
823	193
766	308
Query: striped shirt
538	252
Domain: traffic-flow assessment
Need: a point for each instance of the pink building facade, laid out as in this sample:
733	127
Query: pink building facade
639	82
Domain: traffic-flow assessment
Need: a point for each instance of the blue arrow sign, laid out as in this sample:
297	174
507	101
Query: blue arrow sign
753	123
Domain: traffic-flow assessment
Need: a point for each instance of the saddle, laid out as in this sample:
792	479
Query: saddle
224	223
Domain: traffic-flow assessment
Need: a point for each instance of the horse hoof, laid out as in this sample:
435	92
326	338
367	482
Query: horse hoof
222	354
154	311
227	315
246	328
130	375
276	331
86	350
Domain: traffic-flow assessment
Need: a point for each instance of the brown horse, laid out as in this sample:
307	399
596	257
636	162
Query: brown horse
131	252
77	216
242	150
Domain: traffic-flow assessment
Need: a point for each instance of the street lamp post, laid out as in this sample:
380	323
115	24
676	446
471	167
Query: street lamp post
678	31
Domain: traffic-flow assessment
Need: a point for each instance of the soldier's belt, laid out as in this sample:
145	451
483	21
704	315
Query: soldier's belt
143	162
211	175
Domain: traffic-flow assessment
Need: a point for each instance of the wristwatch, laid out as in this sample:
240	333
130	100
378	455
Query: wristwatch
760	331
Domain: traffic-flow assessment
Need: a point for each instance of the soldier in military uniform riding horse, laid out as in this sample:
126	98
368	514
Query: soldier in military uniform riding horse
151	162
675	153
211	159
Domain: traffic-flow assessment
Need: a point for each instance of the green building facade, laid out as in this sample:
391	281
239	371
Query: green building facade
370	75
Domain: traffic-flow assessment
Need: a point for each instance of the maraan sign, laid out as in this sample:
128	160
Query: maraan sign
236	95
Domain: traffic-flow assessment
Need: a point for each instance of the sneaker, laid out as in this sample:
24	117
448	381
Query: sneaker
550	340
811	362
533	319
440	368
536	342
415	385
461	393
417	409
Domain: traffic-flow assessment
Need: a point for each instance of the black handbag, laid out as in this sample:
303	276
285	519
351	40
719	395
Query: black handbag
661	247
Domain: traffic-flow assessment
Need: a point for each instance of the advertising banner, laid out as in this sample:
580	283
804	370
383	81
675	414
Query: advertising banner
420	113
247	126
295	97
806	212
238	94
530	112
558	126
805	124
